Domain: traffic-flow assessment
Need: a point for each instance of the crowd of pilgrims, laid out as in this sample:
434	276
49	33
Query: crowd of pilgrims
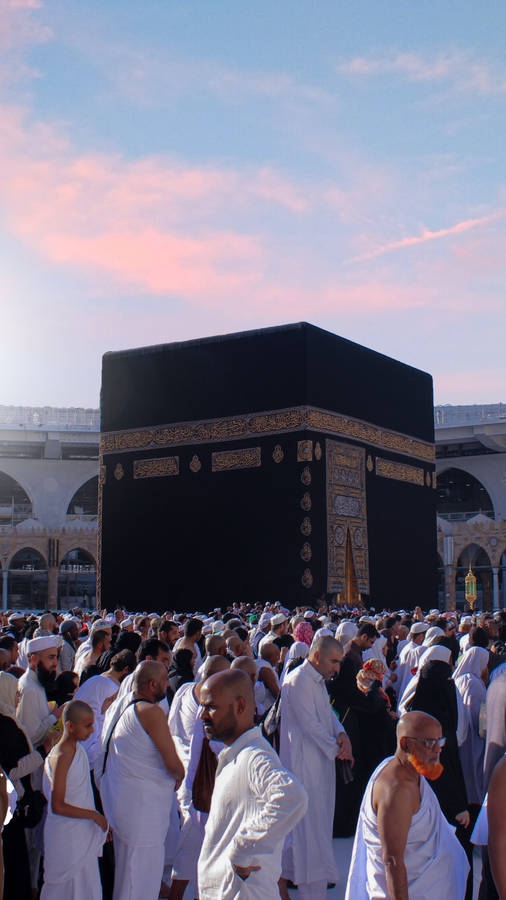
114	755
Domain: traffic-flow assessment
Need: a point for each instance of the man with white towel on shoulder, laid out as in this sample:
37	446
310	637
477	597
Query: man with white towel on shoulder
141	770
404	848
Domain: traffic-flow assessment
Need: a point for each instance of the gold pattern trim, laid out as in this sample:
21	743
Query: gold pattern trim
102	474
427	479
304	451
346	513
156	468
306	552
306	503
225	460
399	471
307	579
306	527
434	480
305	476
195	464
119	472
277	454
318	451
370	463
275	422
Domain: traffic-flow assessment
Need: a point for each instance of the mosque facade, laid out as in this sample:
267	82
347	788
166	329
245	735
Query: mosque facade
49	469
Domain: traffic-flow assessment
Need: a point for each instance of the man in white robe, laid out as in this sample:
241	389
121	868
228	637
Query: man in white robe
74	831
404	848
409	657
36	718
311	737
187	733
255	800
137	787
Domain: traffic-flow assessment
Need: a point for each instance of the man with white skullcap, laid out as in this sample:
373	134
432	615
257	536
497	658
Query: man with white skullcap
409	657
33	710
34	714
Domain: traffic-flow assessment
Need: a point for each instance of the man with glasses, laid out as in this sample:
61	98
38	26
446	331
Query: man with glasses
404	848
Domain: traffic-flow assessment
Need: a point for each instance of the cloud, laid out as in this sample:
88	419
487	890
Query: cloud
428	235
460	69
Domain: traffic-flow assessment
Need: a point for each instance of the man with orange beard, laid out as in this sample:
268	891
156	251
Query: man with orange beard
404	848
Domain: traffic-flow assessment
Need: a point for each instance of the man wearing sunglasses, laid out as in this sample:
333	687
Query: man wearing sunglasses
404	848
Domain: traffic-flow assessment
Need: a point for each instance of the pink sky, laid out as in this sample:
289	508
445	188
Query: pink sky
107	247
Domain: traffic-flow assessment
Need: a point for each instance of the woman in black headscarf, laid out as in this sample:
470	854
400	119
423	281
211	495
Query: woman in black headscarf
181	670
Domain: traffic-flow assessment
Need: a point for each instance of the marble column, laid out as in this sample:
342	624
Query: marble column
495	588
5	589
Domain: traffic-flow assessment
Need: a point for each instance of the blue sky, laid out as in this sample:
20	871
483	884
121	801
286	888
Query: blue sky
178	169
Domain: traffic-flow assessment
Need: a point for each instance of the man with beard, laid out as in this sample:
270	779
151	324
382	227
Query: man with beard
33	711
255	800
404	847
36	718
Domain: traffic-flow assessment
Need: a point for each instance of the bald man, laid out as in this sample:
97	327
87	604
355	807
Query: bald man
74	831
404	848
140	771
188	733
255	800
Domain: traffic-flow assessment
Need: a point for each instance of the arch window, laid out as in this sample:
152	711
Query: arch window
77	580
28	580
461	496
84	503
15	504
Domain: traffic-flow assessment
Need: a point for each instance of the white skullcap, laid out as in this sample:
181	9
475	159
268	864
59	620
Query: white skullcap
36	645
125	622
218	626
309	614
419	627
432	634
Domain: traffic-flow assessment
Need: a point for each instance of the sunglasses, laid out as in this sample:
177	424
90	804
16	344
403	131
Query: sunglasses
430	743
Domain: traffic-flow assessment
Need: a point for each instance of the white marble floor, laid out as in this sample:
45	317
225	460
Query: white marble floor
342	851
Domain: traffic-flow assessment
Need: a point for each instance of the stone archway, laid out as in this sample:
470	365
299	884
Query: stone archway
461	496
28	588
77	580
15	504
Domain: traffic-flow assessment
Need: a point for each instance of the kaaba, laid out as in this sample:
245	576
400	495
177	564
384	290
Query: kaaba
281	464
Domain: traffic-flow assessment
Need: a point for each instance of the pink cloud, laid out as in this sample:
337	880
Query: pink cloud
460	68
428	235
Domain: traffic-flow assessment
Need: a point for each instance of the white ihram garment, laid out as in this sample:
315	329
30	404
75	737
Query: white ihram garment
137	794
255	803
473	693
95	692
308	747
436	863
71	846
409	658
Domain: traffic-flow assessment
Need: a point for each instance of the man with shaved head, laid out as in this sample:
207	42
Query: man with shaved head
311	737
74	830
140	771
404	848
255	800
188	733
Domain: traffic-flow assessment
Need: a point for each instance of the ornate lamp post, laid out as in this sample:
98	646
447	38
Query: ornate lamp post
470	589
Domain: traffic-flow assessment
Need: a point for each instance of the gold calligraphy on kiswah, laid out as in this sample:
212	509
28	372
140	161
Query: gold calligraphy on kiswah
276	422
226	460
